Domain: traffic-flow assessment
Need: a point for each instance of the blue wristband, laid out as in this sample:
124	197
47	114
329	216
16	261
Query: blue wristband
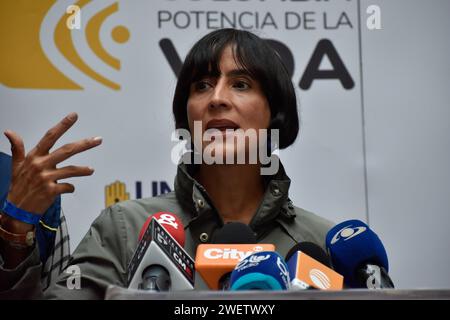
20	214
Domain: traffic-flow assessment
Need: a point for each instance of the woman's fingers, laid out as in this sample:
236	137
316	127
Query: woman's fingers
17	147
53	134
61	188
67	172
71	149
34	183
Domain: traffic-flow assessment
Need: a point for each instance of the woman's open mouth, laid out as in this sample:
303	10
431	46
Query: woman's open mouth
224	125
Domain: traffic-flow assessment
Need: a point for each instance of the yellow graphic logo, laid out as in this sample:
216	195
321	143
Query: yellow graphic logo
115	192
23	62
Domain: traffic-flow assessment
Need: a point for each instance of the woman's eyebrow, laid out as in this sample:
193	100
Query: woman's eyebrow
238	73
231	74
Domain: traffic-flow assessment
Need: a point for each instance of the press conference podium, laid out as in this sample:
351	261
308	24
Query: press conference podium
118	293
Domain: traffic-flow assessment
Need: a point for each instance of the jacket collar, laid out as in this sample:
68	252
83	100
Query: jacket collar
195	200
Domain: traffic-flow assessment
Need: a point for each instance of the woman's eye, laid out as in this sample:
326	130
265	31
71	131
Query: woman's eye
202	85
241	85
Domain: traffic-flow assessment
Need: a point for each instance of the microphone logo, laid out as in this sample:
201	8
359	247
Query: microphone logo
320	279
224	253
252	260
284	271
180	261
258	249
160	239
168	219
347	233
257	259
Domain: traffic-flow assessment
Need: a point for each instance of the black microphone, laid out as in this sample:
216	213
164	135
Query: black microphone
232	233
312	250
155	278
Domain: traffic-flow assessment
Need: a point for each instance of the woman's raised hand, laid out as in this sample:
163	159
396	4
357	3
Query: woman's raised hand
34	181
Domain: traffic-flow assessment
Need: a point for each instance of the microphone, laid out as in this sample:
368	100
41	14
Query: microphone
359	255
232	243
170	222
261	271
234	232
160	262
310	268
156	277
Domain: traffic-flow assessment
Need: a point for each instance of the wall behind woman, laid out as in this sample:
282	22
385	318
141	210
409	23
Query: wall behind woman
374	139
406	73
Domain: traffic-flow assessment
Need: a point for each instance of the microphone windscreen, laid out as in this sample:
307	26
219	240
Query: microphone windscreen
170	222
264	270
352	244
312	250
234	233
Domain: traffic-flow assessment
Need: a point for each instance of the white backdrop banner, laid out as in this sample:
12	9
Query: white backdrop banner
116	64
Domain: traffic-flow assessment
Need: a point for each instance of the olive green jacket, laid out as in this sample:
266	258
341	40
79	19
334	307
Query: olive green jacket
105	252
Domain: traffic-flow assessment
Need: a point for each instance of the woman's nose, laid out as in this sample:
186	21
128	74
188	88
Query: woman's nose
220	97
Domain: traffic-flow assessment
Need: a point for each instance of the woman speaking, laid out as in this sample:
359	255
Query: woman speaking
231	84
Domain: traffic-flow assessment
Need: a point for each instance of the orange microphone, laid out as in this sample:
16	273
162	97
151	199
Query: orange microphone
232	243
312	273
214	262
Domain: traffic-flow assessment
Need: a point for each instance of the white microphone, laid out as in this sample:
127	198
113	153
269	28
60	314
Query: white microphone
160	263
